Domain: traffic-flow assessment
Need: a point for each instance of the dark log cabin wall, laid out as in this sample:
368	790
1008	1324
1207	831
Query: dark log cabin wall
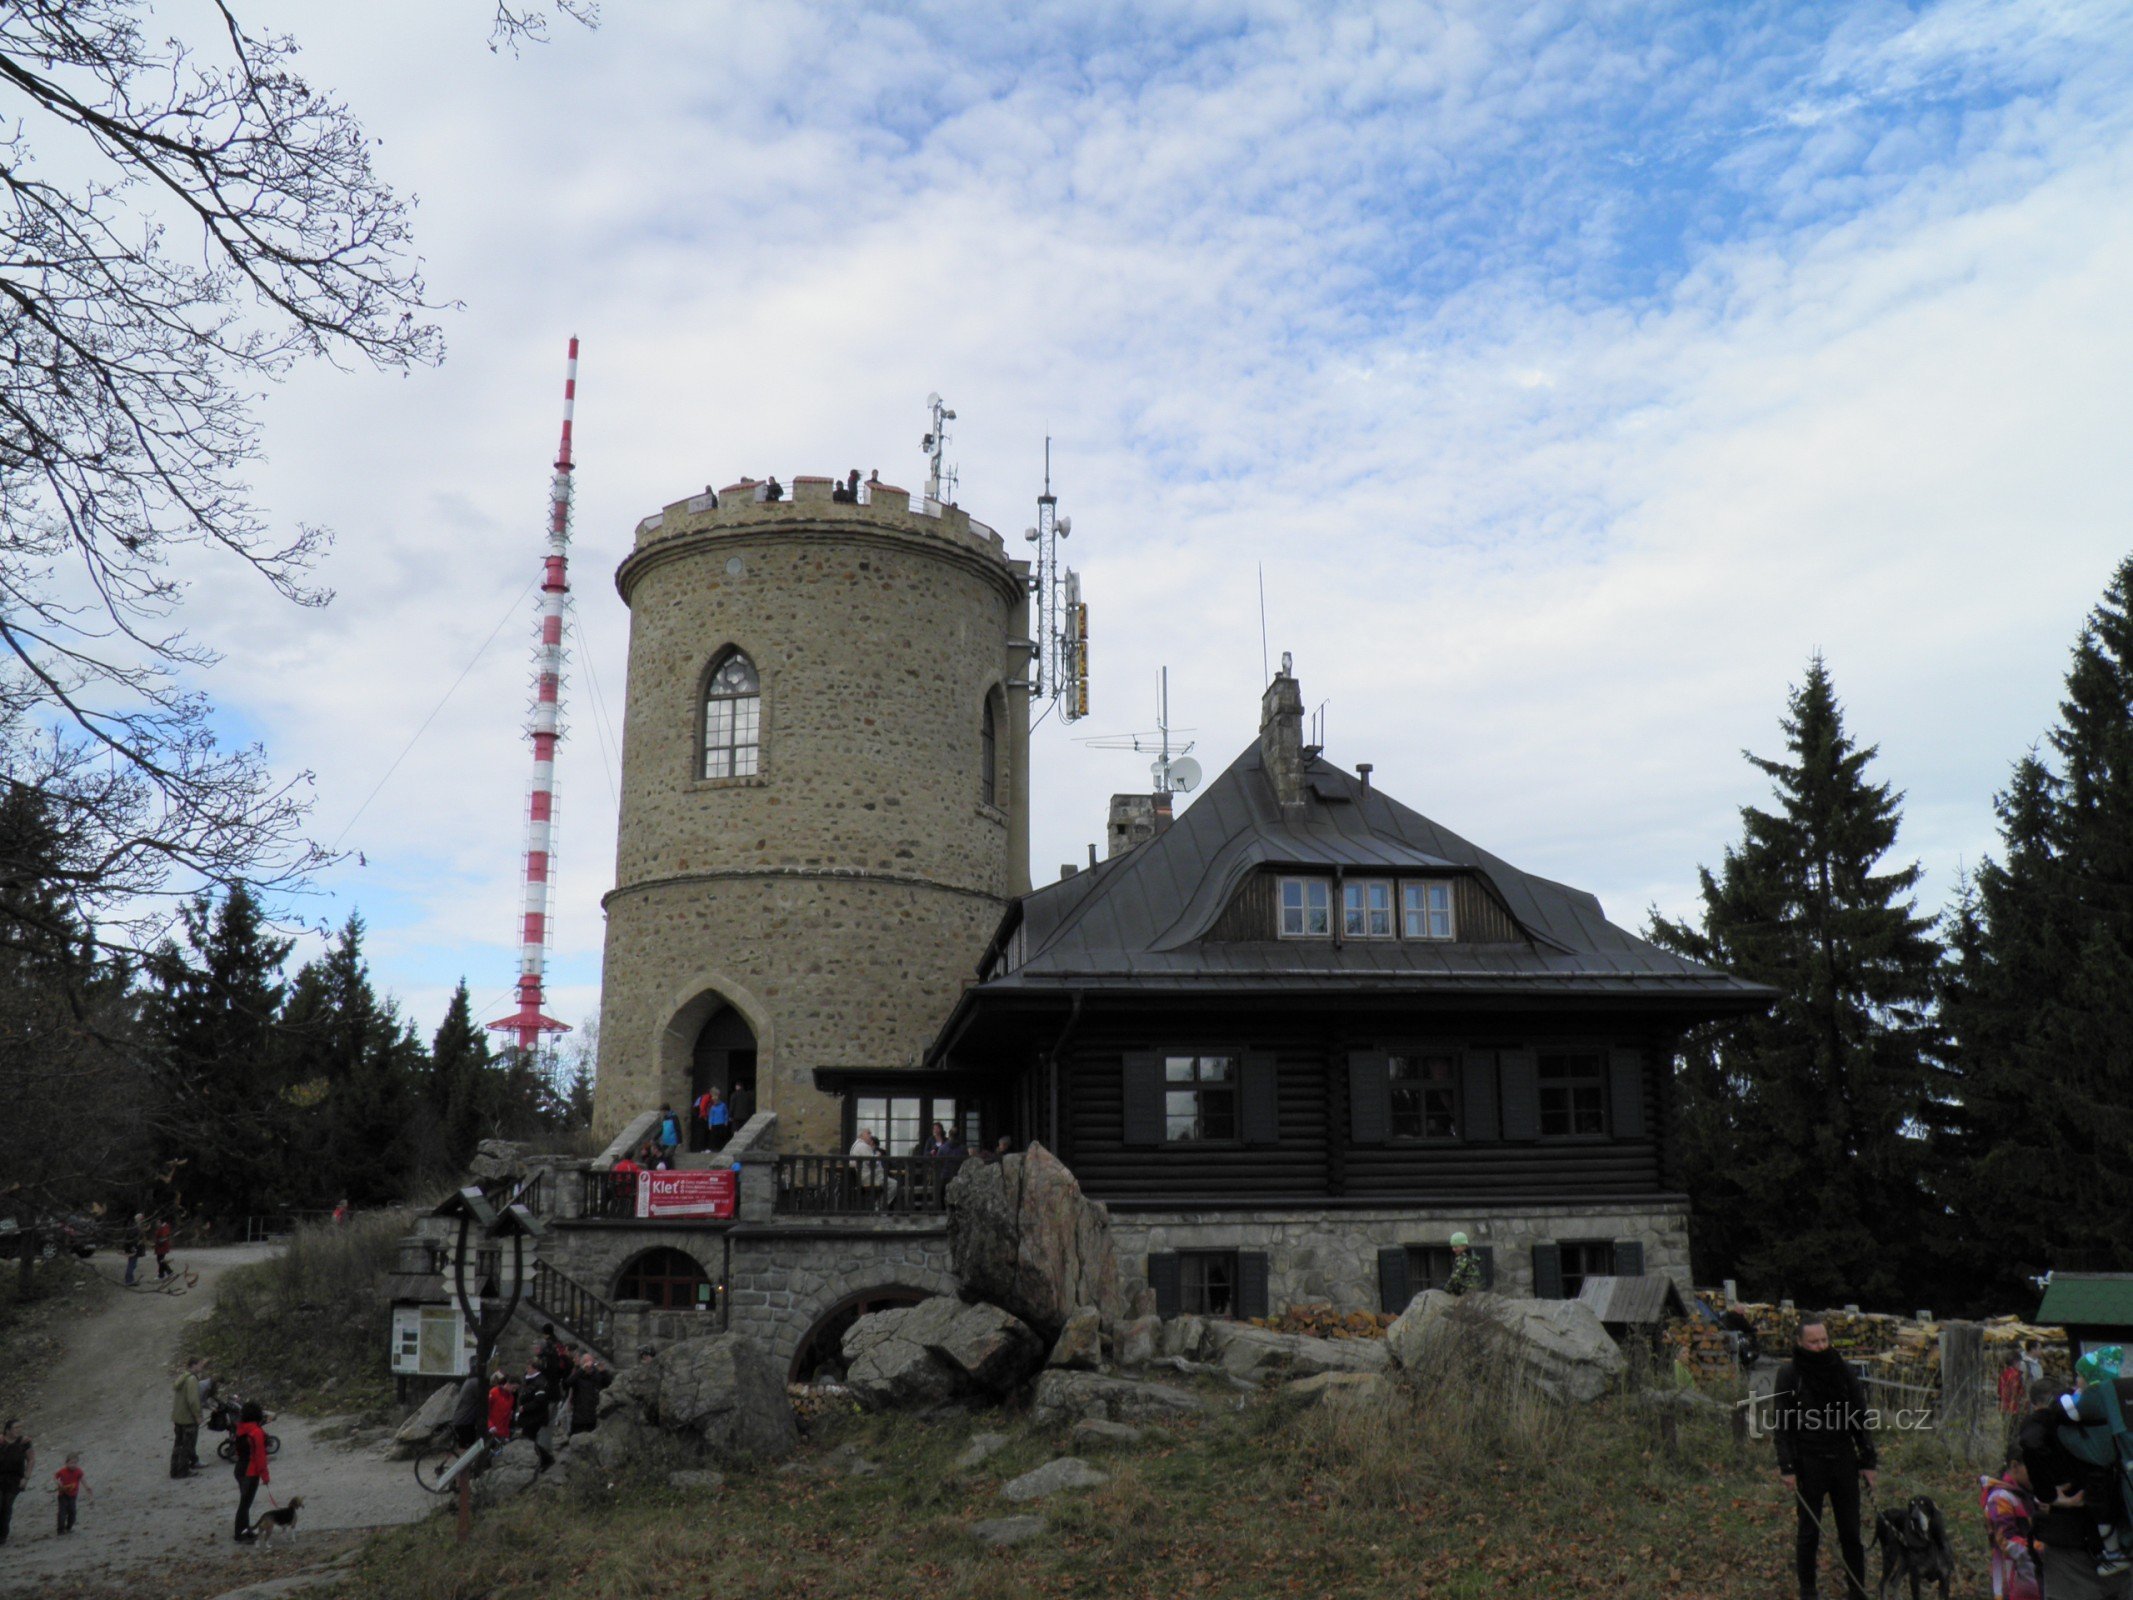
1313	1151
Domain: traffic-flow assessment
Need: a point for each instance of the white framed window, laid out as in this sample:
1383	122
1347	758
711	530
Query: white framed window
1426	910
733	720
1366	909
1306	908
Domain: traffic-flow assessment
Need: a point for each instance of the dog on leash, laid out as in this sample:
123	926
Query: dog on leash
1914	1545
280	1523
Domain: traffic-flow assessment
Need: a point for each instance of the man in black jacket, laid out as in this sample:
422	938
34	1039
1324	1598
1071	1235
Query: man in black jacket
586	1382
1824	1445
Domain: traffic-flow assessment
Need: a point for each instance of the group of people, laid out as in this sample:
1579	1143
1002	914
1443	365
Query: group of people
144	1236
713	1119
2057	1512
18	1458
561	1381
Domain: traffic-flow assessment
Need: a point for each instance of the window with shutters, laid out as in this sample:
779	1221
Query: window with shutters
1585	1258
1423	1096
1429	1266
1306	908
1207	1283
1199	1099
1573	1094
733	719
1426	910
1366	909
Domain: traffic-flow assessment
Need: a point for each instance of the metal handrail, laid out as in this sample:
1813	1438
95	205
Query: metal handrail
607	1194
858	1186
571	1305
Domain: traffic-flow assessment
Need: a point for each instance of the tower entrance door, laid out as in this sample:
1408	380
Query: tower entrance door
724	1059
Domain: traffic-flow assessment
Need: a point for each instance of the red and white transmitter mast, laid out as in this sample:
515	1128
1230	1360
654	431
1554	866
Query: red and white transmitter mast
529	1022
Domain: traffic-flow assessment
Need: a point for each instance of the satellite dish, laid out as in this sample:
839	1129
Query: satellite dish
1184	774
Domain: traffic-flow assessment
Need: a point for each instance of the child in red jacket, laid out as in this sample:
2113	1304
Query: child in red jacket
67	1484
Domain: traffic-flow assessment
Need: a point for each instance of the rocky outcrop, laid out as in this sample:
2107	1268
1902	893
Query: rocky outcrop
1064	1396
1022	1236
999	1532
497	1158
1138	1341
1558	1346
510	1473
937	1351
1249	1352
1340	1389
414	1435
1080	1343
725	1390
1068	1472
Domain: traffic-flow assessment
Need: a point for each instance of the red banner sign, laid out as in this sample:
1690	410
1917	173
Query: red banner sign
687	1194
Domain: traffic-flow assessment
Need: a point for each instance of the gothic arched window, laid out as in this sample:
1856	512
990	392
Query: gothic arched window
989	755
733	720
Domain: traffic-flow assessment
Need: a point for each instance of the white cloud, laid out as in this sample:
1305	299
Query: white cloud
1573	381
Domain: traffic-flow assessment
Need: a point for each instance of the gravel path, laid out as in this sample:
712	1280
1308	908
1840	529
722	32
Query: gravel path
108	1398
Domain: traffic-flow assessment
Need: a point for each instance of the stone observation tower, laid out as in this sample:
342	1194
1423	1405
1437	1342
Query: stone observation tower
825	801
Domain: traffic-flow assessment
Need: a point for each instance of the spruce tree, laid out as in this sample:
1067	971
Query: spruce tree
358	1068
459	1088
1801	1128
225	1126
2044	1030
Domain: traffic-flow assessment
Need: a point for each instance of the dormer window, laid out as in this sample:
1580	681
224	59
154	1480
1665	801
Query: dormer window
1426	910
1306	908
1366	908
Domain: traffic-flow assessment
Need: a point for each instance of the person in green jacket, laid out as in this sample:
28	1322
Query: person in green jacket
185	1418
1466	1267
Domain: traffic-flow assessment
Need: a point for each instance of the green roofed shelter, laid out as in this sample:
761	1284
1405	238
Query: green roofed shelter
2095	1308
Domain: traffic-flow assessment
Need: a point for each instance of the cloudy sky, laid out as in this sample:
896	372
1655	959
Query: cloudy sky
1573	373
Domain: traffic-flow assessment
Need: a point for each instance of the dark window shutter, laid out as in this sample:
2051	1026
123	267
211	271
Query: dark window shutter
1262	1115
1251	1283
1144	1097
1521	1095
1486	1255
1393	1293
1629	1258
1369	1098
1625	1084
1163	1279
1478	1093
1547	1272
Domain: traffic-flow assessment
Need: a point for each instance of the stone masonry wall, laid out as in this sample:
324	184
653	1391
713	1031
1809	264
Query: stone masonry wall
782	1286
1332	1255
840	897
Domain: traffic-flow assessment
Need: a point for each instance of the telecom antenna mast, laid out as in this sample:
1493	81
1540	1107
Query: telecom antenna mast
1059	655
529	1022
1173	771
935	444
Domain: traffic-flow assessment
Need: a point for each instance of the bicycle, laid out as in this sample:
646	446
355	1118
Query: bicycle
438	1468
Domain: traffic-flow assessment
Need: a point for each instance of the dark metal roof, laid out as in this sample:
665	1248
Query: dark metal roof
1638	1302
1138	920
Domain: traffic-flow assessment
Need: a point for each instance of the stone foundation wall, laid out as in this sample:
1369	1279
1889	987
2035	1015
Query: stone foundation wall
786	1283
1332	1255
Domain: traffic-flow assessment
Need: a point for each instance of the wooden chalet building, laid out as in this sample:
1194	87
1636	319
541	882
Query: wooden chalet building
1299	1038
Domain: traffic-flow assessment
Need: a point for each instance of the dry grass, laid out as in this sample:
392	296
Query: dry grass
1470	1483
308	1329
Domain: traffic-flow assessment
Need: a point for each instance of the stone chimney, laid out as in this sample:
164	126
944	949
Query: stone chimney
1135	819
1281	721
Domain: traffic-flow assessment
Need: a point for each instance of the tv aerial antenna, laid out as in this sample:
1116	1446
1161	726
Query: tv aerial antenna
1059	655
1173	770
935	444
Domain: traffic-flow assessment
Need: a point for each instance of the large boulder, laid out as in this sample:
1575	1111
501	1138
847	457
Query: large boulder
725	1391
1063	1395
497	1158
1250	1352
938	1350
414	1435
1080	1343
1022	1236
1558	1346
510	1473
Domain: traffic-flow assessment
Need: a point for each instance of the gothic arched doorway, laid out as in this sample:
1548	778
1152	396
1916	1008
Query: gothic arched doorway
723	1058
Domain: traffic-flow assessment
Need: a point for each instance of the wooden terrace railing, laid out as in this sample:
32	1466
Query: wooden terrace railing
864	1186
